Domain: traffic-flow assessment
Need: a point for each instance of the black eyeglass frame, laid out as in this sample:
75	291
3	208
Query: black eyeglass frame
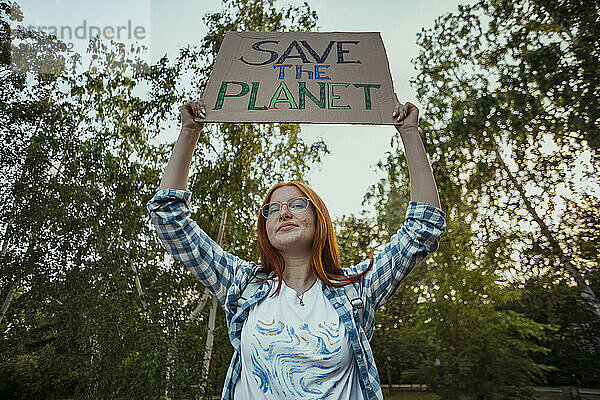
264	208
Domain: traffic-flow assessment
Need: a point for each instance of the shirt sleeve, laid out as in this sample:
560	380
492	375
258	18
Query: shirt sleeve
419	235
188	243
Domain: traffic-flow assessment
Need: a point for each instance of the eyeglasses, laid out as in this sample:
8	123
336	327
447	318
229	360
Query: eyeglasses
296	205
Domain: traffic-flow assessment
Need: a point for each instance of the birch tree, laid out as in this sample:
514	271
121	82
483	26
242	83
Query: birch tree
512	96
504	121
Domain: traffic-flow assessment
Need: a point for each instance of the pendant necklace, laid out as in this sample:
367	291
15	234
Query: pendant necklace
301	297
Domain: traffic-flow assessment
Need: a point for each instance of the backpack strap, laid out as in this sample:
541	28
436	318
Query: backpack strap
251	287
355	300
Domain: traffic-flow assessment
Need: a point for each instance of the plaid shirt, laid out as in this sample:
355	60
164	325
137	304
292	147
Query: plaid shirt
226	276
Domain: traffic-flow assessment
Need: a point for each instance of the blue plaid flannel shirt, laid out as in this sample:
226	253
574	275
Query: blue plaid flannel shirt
226	276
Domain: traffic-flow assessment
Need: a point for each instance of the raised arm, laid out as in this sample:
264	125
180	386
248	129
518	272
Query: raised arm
170	213
178	168
422	182
418	236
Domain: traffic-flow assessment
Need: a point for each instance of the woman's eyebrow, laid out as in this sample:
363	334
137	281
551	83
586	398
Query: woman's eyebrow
290	199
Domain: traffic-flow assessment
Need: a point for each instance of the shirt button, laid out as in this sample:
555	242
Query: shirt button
369	387
359	356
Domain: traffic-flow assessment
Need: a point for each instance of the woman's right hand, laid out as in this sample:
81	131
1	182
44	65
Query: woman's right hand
193	114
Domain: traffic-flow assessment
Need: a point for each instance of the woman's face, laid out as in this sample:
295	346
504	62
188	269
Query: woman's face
288	232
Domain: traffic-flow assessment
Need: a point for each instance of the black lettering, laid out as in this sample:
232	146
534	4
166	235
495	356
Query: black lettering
286	53
341	51
319	59
256	46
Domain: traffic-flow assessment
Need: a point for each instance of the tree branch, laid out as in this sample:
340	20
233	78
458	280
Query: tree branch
585	290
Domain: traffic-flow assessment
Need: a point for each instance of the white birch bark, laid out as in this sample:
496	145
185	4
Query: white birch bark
199	308
210	335
15	284
211	326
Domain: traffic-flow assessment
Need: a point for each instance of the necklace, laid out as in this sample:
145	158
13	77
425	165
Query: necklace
301	297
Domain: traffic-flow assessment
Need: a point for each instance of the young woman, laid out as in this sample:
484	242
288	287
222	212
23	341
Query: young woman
300	325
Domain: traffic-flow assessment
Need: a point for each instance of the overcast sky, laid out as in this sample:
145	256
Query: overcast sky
347	172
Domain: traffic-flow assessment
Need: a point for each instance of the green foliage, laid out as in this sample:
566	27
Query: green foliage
493	306
445	326
74	228
519	74
79	163
575	344
356	237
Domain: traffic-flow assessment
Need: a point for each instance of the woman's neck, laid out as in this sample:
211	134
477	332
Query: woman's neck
298	274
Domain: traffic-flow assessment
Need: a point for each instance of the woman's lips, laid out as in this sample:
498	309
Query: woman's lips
287	227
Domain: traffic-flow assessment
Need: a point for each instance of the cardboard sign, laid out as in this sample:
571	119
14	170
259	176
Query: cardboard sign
307	77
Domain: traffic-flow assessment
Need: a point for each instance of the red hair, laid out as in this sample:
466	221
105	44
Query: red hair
325	256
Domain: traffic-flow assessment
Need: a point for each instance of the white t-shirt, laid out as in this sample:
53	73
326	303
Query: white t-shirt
289	351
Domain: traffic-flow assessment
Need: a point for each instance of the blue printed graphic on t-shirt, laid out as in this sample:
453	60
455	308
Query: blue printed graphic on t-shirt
298	360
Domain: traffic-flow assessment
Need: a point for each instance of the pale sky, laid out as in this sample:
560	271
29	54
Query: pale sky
345	174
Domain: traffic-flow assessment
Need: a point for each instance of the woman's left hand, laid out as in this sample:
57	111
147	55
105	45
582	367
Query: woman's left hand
406	116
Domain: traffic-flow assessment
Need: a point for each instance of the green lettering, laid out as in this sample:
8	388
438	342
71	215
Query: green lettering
367	87
288	96
303	91
252	102
331	97
223	90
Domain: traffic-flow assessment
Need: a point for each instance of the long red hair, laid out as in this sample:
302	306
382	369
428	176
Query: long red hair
325	256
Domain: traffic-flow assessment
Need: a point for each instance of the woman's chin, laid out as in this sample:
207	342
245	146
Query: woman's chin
292	247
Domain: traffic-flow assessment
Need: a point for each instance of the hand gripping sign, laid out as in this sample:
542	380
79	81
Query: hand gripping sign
307	77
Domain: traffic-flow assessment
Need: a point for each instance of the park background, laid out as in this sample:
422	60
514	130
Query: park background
93	307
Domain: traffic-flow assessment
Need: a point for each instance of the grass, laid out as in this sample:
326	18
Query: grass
430	396
410	396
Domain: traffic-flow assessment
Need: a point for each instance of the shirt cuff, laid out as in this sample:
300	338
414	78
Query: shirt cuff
165	196
425	211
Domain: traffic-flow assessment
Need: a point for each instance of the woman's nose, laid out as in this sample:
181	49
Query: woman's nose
284	213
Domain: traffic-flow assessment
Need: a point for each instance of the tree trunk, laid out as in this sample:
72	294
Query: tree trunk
92	384
168	372
17	282
138	284
210	335
211	325
9	297
199	308
194	314
585	290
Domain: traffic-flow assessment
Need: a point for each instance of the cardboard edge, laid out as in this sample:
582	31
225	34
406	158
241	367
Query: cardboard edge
247	34
301	122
